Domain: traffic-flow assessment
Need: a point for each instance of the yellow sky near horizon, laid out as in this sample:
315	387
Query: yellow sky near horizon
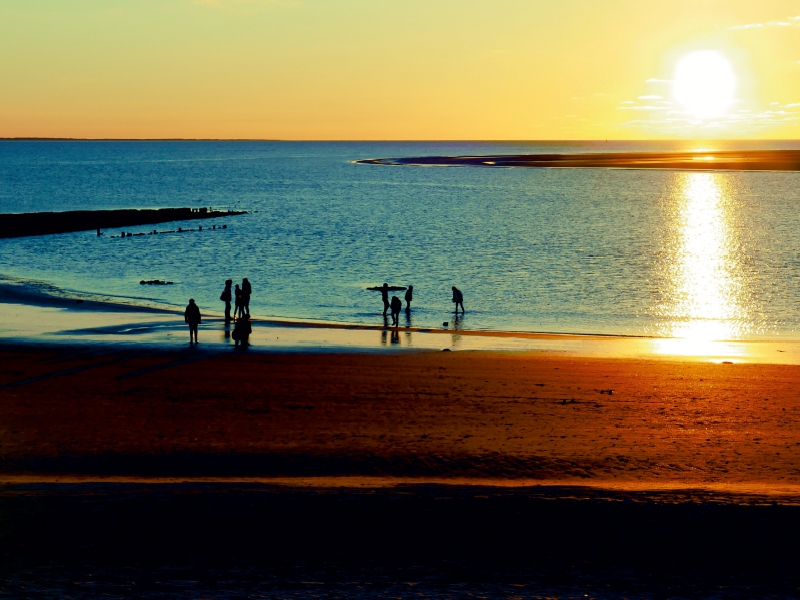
358	69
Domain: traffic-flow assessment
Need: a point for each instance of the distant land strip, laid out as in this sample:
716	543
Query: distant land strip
72	139
729	160
43	223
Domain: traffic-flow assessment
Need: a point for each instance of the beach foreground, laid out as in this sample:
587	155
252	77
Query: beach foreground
438	414
419	473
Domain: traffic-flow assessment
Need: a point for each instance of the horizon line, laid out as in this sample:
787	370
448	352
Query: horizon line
465	140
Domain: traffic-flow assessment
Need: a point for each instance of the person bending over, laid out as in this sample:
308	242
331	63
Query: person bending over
396	306
458	299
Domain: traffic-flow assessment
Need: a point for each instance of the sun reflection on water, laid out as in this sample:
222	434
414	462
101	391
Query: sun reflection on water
703	297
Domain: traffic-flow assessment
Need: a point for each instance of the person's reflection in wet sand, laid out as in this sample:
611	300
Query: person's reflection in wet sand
457	321
226	330
395	336
383	337
408	318
242	331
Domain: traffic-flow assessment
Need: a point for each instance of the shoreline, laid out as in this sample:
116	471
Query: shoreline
37	313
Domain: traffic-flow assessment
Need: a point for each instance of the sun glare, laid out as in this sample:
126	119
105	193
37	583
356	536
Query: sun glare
706	295
704	83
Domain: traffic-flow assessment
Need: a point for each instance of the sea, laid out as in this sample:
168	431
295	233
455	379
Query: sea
698	255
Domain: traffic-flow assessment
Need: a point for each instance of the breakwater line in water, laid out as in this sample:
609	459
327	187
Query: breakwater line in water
43	223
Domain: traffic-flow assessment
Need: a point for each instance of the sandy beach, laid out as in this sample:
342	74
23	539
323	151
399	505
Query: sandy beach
418	414
340	462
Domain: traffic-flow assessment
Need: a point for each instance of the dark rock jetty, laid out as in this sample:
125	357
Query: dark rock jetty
42	223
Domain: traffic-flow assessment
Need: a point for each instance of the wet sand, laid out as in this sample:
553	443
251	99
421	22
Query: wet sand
418	414
706	160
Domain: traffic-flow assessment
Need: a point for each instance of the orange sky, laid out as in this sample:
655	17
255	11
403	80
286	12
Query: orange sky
358	69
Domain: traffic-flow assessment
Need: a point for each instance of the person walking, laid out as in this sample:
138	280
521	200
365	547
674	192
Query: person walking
246	291
409	297
458	299
192	316
396	306
237	306
226	298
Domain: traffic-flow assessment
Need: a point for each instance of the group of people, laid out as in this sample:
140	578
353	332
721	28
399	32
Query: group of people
241	313
241	298
241	308
395	305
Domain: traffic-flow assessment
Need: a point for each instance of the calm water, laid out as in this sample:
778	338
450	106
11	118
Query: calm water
697	255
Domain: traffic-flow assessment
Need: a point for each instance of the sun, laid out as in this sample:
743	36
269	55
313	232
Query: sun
704	83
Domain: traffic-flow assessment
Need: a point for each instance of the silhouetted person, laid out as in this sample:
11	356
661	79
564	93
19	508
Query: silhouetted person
385	297
226	298
396	306
409	297
458	299
242	331
238	311
192	317
246	291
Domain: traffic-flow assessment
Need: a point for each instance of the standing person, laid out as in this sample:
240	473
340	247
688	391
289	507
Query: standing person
458	299
192	317
246	291
385	297
237	307
396	306
409	297
226	298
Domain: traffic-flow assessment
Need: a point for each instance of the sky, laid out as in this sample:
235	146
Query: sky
411	70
